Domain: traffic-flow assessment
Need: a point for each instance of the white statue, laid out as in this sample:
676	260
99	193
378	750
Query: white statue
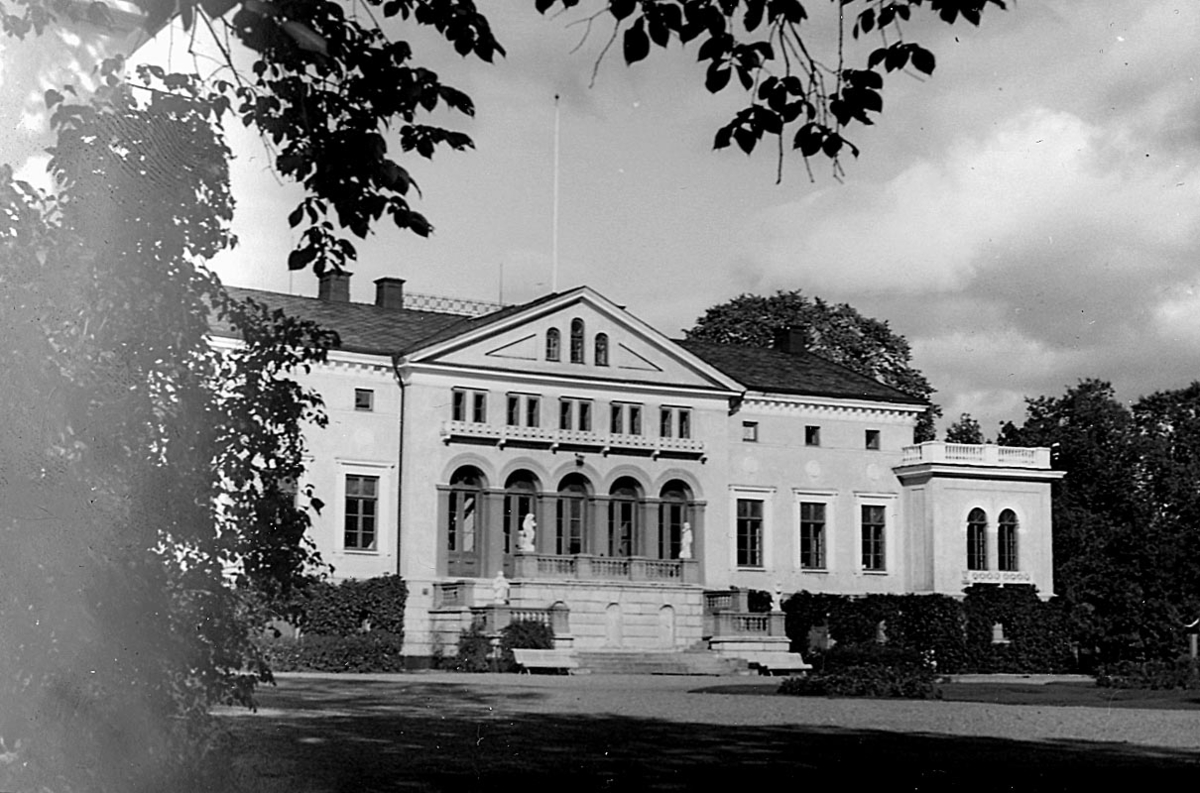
500	589
777	597
528	538
685	542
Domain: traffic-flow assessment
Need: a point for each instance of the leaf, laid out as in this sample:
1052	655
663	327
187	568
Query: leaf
660	34
621	8
717	77
866	20
637	44
876	57
923	60
745	138
300	258
296	216
723	137
808	140
52	98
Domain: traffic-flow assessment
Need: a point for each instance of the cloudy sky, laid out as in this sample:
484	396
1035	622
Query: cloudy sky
1026	218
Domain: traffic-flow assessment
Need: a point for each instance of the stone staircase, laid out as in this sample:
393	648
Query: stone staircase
634	662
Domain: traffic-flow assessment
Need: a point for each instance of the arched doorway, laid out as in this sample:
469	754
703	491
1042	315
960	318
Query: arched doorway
674	509
464	521
520	500
571	525
625	500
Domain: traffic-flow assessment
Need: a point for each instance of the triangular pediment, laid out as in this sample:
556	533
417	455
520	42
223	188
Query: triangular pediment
596	340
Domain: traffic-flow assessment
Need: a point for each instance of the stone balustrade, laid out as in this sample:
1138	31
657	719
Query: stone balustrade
1000	577
604	442
977	454
589	567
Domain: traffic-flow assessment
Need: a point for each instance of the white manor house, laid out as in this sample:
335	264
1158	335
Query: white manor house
657	475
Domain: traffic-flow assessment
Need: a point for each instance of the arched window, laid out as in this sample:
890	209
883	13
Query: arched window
673	511
1008	540
623	508
577	340
553	345
520	498
570	530
601	356
977	540
463	521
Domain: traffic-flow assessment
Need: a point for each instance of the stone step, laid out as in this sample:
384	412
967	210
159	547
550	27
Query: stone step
659	663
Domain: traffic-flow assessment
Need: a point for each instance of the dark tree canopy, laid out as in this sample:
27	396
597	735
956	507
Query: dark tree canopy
833	331
965	429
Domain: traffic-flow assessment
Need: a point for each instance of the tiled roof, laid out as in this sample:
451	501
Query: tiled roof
761	369
363	327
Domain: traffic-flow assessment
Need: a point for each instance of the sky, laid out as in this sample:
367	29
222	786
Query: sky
1026	218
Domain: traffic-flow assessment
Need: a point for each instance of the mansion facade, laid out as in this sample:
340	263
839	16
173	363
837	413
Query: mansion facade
623	482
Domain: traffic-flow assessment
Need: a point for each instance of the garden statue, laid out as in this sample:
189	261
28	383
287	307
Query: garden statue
685	542
500	589
528	533
777	597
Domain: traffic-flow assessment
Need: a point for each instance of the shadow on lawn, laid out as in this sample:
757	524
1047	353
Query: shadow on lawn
374	737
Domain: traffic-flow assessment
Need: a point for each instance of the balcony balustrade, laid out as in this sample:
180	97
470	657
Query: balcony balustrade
977	454
1000	577
587	567
604	442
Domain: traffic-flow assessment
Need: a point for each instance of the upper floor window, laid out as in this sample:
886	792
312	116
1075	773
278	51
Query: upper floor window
750	431
625	419
675	422
530	416
575	414
553	345
977	540
812	435
577	340
872	439
601	354
364	399
469	405
1008	540
812	535
362	501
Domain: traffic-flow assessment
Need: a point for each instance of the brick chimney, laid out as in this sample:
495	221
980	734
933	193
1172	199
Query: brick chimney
790	340
389	292
334	286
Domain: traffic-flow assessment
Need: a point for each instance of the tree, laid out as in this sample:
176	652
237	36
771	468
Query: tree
837	332
965	430
143	473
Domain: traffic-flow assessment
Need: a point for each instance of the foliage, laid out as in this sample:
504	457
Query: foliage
523	634
836	332
865	670
352	607
141	470
1182	673
965	430
758	601
952	635
474	651
377	651
1125	547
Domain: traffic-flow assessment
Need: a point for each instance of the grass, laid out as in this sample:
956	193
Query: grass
326	736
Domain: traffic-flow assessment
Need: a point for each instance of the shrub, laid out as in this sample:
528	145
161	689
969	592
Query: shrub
865	670
474	651
343	609
378	651
523	635
1182	673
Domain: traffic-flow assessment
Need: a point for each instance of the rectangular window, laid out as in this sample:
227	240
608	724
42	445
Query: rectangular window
749	532
664	422
812	435
626	419
674	422
750	431
469	405
533	411
812	535
873	526
635	419
616	415
575	414
362	502
364	399
685	422
872	439
512	416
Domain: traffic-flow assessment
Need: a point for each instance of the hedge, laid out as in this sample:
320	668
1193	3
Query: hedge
1181	673
865	670
352	606
377	651
954	634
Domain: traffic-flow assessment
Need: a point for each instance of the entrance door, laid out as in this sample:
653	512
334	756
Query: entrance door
464	523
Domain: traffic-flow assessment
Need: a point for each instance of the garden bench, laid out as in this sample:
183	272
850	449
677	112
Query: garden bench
545	659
